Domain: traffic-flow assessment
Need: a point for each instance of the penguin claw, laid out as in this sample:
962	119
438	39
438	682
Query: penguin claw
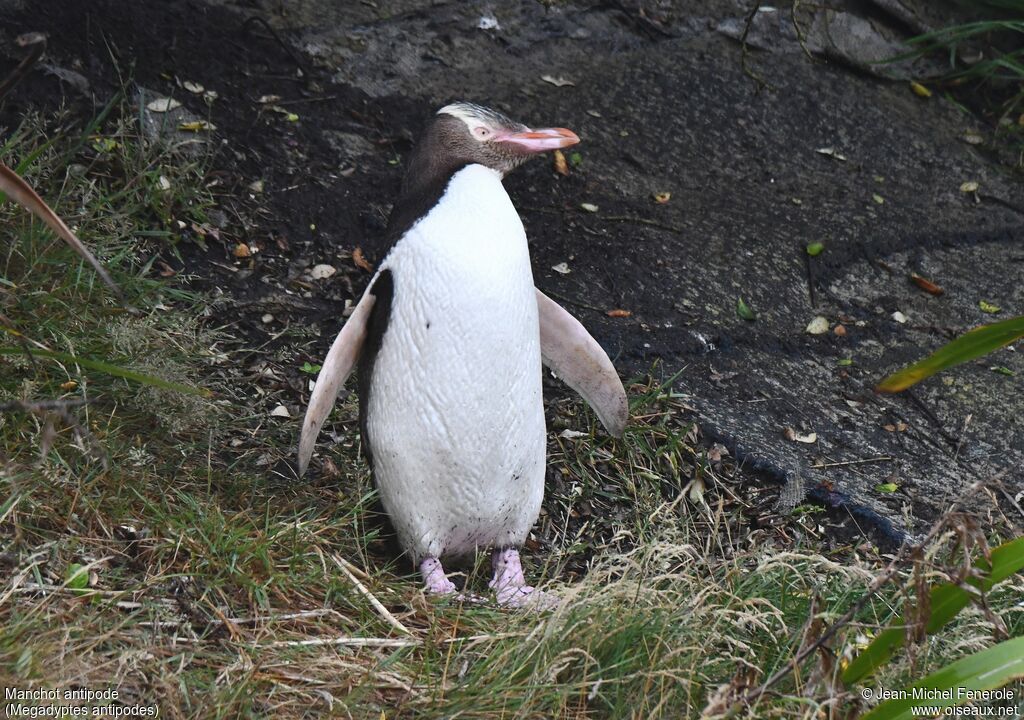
437	583
509	585
526	598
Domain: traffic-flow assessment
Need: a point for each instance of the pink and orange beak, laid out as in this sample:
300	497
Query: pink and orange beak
538	141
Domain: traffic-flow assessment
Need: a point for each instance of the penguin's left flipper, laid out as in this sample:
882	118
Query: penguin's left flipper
337	366
576	357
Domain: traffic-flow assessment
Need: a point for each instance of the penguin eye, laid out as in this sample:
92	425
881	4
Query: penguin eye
481	132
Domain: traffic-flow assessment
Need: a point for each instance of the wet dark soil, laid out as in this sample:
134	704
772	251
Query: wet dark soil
663	104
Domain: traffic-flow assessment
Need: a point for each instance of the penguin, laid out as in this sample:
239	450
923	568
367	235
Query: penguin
450	338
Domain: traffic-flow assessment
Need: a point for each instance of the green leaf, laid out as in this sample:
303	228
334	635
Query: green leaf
844	362
887	487
575	159
972	344
109	369
744	311
1002	370
76	577
988	307
946	601
957	683
310	368
814	249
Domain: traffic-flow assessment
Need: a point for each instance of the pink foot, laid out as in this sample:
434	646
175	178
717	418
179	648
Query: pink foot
434	578
509	585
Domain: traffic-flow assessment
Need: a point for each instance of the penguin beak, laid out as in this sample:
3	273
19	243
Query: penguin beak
538	141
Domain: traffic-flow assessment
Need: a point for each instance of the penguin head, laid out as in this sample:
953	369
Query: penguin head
469	133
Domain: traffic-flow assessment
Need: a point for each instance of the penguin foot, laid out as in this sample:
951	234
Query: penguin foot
433	576
509	584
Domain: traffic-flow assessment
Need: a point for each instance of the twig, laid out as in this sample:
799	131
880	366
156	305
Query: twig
880	458
284	46
300	615
761	83
36	44
641	221
347	641
810	279
381	610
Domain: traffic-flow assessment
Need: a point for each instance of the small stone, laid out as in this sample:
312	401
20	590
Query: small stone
899	317
322	272
268	318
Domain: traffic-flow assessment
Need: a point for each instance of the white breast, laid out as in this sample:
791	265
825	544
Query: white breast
455	419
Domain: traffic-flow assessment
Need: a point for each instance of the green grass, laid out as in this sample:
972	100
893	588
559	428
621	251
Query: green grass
986	57
215	582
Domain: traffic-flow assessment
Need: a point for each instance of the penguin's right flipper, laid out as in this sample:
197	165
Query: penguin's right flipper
337	366
576	357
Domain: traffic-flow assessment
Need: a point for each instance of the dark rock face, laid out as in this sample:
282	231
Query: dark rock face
759	164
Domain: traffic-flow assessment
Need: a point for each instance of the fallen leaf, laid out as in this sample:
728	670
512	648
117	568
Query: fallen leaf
68	386
662	197
840	330
256	186
162	105
322	271
889	428
814	249
744	311
197	126
360	260
561	268
844	362
163	184
165	269
972	138
280	411
997	369
925	284
560	164
793	436
193	87
104	144
920	90
831	152
969	187
878	199
988	307
887	487
557	81
267	99
241	250
571	434
589	207
695	490
618	313
817	326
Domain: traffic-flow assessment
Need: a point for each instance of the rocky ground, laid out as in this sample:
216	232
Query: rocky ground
711	169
